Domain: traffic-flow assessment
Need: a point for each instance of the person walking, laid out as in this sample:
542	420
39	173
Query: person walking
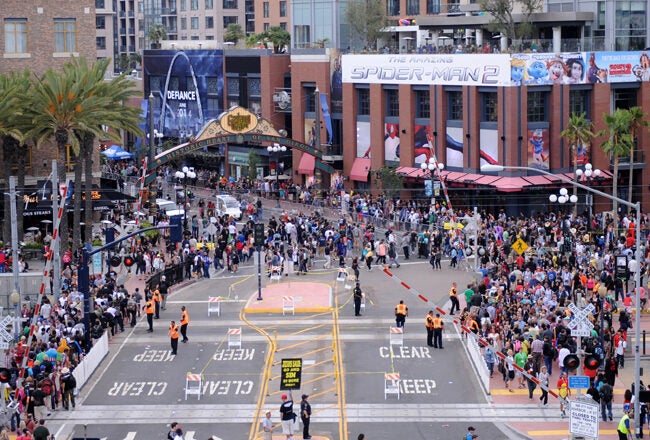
428	323
173	334
267	426
287	416
358	295
401	312
305	416
185	320
606	392
41	432
543	378
157	298
471	433
438	326
149	309
624	430
164	289
563	392
355	268
68	384
453	296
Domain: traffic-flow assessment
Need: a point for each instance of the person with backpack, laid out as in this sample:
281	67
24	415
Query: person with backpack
606	393
68	384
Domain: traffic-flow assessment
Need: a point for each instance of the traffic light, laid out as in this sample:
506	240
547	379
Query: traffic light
5	375
571	362
592	362
129	261
115	261
259	234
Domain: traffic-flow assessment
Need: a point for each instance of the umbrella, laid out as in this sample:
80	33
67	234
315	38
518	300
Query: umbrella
279	177
115	152
107	222
46	221
33	229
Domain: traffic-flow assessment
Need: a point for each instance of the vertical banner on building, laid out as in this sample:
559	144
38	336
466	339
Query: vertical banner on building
538	148
391	144
422	151
489	146
326	117
363	139
336	92
454	146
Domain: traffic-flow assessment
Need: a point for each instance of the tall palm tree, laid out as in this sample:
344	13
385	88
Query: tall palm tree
578	132
619	142
637	122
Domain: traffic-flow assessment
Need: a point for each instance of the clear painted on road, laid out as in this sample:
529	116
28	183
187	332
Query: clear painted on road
137	389
405	352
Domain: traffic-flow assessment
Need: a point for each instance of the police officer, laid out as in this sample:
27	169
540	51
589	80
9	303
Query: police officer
305	416
428	322
157	299
401	312
149	310
438	325
173	334
453	297
358	294
185	320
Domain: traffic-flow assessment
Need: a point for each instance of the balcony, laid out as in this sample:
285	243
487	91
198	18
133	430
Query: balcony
122	31
122	14
131	14
122	48
624	162
131	31
131	48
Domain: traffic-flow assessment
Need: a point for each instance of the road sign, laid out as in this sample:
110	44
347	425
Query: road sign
290	374
584	418
520	246
580	324
579	382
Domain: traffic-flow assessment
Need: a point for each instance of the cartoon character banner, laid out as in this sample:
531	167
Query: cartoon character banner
363	139
422	150
391	143
489	147
538	148
617	66
454	145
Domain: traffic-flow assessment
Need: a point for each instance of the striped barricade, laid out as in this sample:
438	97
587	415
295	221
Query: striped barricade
193	384
288	305
234	337
391	384
214	305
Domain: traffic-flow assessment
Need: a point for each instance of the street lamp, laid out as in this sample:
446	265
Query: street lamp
635	265
590	174
183	175
432	166
275	150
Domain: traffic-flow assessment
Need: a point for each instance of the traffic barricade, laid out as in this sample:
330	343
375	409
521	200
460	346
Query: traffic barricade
214	305
234	337
288	305
363	302
391	384
396	336
276	273
193	384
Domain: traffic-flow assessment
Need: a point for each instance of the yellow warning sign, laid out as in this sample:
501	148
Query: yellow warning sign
520	246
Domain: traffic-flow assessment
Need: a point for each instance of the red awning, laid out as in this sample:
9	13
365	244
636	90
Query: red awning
411	172
360	169
486	180
537	180
510	184
307	164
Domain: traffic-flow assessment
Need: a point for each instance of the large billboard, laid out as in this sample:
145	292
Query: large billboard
187	86
538	148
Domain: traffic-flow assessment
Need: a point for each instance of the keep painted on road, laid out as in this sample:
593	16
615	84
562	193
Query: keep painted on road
234	354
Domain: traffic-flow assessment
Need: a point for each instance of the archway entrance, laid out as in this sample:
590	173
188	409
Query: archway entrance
237	125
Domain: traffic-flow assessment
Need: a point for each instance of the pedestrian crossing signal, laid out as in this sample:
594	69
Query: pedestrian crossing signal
129	261
5	375
571	362
592	362
115	261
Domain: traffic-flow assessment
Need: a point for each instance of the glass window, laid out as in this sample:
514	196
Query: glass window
433	6
229	19
310	98
100	22
625	98
283	8
99	4
100	42
194	22
283	25
183	23
65	35
194	5
230	4
537	106
422	104
209	22
413	7
363	102
183	5
455	105
209	4
579	102
15	35
265	9
392	7
267	27
254	87
489	107
392	102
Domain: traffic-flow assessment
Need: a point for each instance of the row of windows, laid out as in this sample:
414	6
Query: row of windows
16	35
209	22
209	4
266	9
537	104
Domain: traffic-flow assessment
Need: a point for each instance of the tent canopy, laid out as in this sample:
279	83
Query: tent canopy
115	152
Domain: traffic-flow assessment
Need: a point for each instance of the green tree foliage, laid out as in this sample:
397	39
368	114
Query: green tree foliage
367	20
512	18
157	33
280	39
391	182
253	160
234	33
638	121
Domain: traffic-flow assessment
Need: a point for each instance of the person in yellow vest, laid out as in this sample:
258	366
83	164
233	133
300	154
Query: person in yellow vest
624	429
428	323
401	312
473	324
157	299
173	334
453	296
149	309
185	320
438	325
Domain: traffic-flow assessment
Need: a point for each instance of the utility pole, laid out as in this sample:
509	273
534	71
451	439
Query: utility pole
54	244
15	294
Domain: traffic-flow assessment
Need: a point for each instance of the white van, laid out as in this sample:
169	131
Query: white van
228	205
165	205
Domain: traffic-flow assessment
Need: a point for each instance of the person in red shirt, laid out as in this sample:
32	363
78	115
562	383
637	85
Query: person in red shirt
563	392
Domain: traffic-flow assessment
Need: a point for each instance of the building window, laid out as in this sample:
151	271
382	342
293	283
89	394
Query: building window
283	8
392	102
194	5
65	35
209	22
310	98
100	42
265	9
229	19
579	102
15	36
433	6
100	22
99	4
392	7
267	27
183	23
625	98
183	5
454	105
422	104
230	4
538	106
209	4
413	7
194	22
489	107
283	25
363	102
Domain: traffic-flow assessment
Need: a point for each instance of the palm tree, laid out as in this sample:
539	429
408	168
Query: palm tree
234	33
637	122
619	142
157	33
578	132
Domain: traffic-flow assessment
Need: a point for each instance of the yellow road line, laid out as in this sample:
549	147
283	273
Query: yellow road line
338	366
540	433
304	330
298	344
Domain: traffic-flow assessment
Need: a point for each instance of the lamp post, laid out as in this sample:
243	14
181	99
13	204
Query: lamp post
157	139
633	265
432	166
183	175
275	150
590	174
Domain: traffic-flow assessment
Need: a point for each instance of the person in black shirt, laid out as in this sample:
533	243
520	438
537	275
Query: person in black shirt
287	415
305	416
